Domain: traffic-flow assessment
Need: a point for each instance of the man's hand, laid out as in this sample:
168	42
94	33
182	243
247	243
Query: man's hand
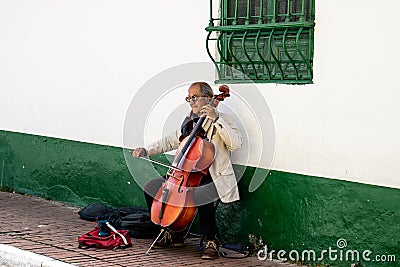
139	152
209	112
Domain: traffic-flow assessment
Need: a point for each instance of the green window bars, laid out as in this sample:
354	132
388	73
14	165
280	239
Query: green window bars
265	41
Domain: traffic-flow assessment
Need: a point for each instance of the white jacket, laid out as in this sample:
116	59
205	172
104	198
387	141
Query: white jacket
226	138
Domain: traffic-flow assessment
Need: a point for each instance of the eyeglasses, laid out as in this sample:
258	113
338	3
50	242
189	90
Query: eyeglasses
193	97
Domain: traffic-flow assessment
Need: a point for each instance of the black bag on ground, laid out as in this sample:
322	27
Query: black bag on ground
139	225
135	219
94	210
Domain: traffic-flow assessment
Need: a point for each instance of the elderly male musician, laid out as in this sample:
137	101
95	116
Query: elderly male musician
221	182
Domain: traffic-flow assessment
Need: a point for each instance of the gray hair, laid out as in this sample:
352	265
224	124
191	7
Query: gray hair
205	88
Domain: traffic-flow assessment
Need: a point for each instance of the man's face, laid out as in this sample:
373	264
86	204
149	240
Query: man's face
200	100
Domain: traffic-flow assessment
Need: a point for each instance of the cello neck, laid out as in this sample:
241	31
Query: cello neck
192	135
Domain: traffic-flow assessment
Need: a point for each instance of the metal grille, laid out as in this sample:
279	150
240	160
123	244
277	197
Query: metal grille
263	40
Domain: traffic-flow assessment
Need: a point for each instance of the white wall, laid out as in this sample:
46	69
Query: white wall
345	125
69	69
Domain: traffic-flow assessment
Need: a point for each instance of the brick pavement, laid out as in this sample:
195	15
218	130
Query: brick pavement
51	229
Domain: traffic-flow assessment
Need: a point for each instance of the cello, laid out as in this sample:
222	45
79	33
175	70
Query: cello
173	205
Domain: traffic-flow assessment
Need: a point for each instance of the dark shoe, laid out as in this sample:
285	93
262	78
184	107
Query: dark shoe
169	240
211	251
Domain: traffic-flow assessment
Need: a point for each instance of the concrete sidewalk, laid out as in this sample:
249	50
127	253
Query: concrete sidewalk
52	229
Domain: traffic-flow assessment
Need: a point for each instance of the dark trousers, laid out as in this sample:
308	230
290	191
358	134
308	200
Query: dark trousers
204	197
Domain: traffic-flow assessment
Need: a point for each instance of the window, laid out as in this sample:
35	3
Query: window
266	41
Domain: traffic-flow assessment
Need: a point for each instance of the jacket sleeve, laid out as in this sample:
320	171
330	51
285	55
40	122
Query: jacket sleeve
229	132
165	144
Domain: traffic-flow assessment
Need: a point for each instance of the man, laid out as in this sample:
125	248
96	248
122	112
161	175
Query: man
221	182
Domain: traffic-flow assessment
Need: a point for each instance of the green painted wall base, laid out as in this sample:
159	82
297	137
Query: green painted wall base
289	211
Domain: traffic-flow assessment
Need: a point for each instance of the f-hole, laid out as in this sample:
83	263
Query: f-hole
180	191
